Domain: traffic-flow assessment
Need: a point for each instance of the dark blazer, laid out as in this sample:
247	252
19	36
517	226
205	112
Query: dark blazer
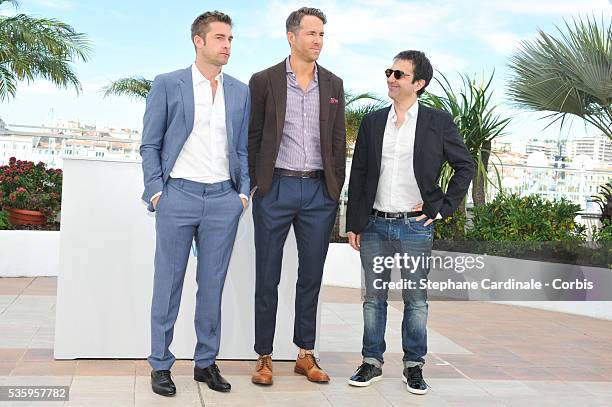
436	141
268	105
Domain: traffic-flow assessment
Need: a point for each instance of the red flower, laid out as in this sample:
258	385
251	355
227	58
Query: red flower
12	160
13	197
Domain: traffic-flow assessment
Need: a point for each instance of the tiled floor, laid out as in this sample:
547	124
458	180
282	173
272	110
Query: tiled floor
480	354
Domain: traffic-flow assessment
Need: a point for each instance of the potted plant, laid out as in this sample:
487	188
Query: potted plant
30	193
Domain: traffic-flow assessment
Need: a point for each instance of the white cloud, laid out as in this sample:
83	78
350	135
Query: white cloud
362	36
119	15
550	7
362	23
502	42
7	10
57	4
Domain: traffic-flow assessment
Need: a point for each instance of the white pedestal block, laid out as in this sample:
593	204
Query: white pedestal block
105	283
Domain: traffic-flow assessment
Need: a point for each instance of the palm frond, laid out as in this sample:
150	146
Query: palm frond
44	48
351	98
570	74
356	107
135	87
476	118
8	83
478	123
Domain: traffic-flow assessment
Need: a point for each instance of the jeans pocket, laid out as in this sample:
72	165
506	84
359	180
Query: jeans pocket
418	226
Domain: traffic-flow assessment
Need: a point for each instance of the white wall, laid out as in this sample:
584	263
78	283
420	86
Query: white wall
29	253
106	280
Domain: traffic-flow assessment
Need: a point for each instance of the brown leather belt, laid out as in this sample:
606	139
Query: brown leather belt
299	174
396	215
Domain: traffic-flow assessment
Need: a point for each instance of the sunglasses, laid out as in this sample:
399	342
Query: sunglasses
397	74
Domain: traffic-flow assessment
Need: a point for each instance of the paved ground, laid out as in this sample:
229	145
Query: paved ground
480	354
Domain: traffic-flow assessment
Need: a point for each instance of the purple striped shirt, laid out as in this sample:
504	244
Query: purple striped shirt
300	148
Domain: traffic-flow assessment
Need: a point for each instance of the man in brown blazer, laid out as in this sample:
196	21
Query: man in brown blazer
297	158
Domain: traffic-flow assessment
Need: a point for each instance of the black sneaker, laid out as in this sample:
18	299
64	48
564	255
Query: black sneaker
413	377
365	375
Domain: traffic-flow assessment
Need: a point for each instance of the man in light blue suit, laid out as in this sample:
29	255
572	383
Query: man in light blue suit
194	160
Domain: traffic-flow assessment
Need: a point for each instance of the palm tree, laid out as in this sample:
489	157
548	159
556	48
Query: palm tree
135	87
567	75
32	48
478	123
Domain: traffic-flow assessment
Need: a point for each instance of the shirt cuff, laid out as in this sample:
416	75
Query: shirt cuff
244	196
438	216
155	196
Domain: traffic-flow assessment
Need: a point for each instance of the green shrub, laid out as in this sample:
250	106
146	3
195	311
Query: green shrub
4	223
528	218
451	227
604	233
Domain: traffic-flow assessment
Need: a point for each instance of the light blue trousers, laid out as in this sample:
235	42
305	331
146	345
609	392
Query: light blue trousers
208	213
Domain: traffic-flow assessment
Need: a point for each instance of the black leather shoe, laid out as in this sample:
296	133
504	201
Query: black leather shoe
211	376
162	383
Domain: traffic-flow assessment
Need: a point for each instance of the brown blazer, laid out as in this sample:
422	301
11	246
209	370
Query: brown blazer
268	105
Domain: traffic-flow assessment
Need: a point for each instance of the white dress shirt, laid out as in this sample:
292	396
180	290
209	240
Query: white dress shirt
204	156
397	187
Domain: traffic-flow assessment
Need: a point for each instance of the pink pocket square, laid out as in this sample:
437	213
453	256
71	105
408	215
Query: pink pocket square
333	101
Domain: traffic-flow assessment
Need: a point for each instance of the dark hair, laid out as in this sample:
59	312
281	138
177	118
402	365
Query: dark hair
422	66
200	24
295	18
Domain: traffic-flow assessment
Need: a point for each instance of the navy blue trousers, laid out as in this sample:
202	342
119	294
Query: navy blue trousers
305	204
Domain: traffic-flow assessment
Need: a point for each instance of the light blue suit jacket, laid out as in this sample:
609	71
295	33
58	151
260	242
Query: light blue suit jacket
168	122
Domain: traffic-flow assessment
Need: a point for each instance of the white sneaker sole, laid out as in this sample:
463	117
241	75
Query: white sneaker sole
365	384
411	390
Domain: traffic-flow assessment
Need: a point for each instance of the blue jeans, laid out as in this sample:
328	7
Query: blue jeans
411	241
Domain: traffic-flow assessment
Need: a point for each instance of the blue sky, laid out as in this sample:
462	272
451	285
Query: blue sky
151	37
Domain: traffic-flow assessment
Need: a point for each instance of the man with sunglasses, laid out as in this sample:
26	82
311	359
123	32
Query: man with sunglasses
393	201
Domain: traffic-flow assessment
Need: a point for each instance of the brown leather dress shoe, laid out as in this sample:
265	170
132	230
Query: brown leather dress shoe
263	371
307	365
